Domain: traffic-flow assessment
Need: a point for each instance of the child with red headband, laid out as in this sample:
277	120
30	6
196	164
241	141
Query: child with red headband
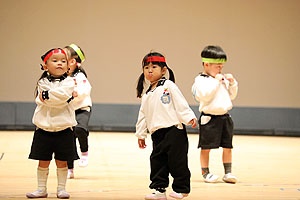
54	118
214	91
164	112
82	103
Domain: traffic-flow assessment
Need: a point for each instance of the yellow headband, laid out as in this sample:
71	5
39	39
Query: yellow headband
78	51
214	60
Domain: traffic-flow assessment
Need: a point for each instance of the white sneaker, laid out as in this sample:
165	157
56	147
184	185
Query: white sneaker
62	194
211	178
70	174
83	162
156	196
229	178
37	194
176	195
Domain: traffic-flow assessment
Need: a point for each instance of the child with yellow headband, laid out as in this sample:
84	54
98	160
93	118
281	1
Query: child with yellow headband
82	103
54	118
214	92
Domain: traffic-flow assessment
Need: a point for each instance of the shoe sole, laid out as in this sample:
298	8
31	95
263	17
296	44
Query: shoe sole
67	197
35	197
213	181
175	197
81	165
230	180
63	197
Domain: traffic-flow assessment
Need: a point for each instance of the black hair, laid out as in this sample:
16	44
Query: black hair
215	52
43	56
141	80
78	60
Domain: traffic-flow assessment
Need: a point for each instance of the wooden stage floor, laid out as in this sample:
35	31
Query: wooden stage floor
267	168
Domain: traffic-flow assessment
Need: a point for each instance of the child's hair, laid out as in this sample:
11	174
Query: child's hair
77	53
45	58
156	59
214	52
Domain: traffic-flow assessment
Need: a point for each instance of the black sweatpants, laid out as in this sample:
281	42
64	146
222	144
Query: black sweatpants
81	132
169	155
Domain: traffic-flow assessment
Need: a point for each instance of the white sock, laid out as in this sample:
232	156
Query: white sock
62	174
42	176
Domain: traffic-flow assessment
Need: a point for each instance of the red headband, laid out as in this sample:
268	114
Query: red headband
156	59
53	52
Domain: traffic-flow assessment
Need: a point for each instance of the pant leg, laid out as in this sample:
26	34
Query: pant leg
70	164
82	136
178	159
159	175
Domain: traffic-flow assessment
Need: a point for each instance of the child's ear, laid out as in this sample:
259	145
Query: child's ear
45	67
73	61
205	64
164	70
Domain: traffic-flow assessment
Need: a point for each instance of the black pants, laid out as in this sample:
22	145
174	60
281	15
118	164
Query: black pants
81	132
82	135
169	155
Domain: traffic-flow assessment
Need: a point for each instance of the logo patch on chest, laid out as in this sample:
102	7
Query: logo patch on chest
165	98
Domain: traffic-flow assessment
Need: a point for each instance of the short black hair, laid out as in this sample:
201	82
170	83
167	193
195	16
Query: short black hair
213	52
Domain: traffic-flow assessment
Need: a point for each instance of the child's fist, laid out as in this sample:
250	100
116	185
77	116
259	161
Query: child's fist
229	77
219	77
142	143
193	122
41	96
74	94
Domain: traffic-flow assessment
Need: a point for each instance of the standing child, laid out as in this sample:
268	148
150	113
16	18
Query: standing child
82	103
214	91
163	113
54	118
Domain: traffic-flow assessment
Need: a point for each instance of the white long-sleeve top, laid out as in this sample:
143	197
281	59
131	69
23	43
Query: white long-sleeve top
55	114
83	89
163	107
214	96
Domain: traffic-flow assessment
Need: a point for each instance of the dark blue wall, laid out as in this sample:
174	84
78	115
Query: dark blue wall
122	117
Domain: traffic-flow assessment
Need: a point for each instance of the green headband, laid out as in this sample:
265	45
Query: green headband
78	51
214	60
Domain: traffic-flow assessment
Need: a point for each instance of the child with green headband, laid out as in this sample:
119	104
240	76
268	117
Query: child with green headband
82	103
214	92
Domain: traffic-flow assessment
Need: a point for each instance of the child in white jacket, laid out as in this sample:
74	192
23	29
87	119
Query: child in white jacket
54	118
164	112
82	103
214	92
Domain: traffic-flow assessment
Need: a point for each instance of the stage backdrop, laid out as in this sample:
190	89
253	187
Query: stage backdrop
261	39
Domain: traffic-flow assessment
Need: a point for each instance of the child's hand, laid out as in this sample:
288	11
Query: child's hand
40	96
142	144
74	94
219	77
193	122
229	77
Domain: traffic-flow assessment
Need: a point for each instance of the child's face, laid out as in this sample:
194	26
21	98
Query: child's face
57	64
153	72
71	62
213	69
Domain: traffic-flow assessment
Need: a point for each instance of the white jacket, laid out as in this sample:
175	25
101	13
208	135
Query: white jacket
55	114
163	107
214	97
83	89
